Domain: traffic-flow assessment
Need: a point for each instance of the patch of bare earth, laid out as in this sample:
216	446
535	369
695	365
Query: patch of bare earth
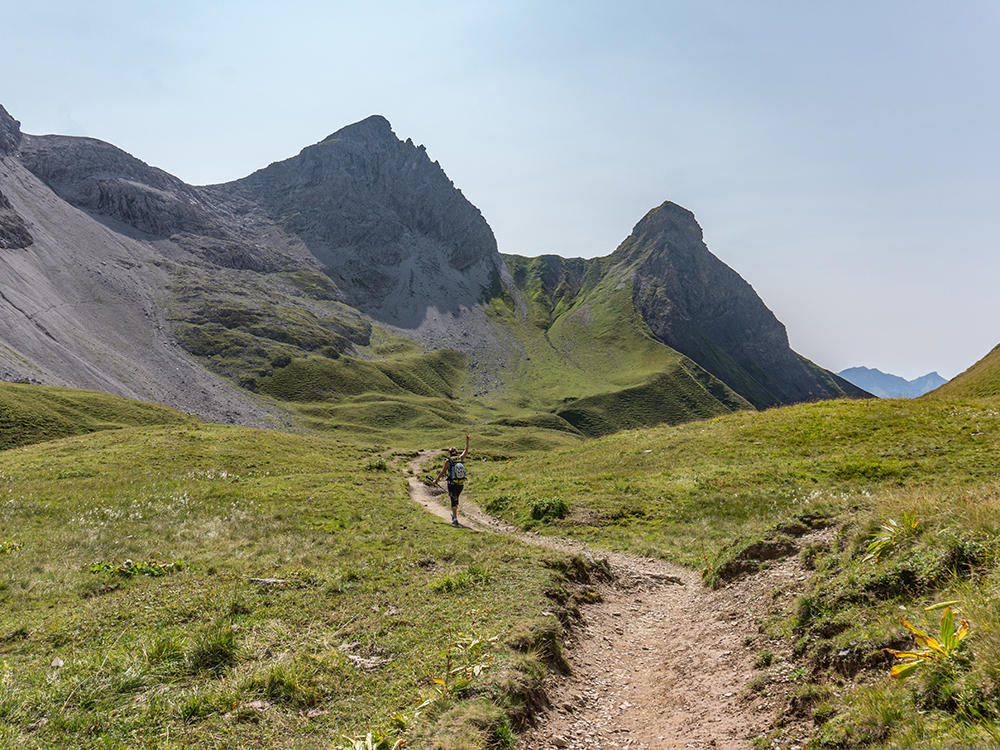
663	662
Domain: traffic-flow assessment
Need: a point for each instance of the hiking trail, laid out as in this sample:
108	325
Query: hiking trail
662	662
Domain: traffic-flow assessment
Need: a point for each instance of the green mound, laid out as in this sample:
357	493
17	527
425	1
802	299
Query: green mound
669	398
433	375
544	421
33	414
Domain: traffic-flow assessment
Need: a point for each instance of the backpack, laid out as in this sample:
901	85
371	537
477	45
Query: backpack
456	471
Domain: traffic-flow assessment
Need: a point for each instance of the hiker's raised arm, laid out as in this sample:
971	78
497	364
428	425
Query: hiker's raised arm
466	451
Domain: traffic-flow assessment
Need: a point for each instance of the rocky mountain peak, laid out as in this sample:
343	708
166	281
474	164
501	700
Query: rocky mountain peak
668	218
10	133
696	304
374	127
390	225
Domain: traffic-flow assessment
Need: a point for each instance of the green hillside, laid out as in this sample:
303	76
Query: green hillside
34	414
591	359
228	587
586	365
980	380
910	488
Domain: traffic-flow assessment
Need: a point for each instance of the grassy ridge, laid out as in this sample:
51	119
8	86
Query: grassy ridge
408	400
685	393
34	414
435	375
979	381
359	595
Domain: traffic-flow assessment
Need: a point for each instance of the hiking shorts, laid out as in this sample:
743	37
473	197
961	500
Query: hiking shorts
454	490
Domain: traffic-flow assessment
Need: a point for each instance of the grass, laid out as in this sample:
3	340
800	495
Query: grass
590	356
34	414
313	599
730	494
982	380
685	492
182	584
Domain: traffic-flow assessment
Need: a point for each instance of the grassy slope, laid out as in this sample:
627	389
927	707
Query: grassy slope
361	566
980	380
585	343
407	400
725	495
206	657
682	492
33	414
579	340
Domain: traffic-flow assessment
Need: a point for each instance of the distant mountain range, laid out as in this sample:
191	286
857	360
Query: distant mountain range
119	277
884	385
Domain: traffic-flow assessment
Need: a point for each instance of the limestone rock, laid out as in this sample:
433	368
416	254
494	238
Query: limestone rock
696	304
13	230
10	133
101	178
395	232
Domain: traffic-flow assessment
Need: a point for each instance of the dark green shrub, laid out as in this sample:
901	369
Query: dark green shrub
548	508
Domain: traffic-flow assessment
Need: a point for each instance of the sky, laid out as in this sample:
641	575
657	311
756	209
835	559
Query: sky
842	157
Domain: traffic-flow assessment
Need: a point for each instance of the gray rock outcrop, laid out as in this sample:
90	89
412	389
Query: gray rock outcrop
696	304
395	233
692	302
10	133
107	181
13	231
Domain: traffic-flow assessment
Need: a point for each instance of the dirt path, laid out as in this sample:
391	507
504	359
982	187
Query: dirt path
661	662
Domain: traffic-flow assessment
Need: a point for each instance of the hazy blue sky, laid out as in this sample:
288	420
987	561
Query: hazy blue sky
843	157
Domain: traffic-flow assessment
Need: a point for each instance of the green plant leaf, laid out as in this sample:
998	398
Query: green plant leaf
902	671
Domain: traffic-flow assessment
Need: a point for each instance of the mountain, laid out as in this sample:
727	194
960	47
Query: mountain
119	277
699	306
884	385
979	381
393	231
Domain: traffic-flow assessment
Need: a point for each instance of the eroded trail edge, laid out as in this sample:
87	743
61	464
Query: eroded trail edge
661	662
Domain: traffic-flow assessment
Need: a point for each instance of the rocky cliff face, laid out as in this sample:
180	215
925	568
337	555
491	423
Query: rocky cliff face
384	222
258	271
105	180
10	133
13	230
696	304
692	302
396	235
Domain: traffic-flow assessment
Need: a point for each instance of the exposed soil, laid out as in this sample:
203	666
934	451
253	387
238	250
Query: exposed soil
662	662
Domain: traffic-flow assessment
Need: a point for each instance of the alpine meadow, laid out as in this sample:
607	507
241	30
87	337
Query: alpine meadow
221	405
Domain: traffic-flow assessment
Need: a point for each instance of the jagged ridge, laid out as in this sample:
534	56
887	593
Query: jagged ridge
303	256
688	300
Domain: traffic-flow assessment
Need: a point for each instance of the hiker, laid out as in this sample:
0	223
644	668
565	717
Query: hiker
455	470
